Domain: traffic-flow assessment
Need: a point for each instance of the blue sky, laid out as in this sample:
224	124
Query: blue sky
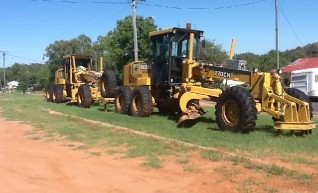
29	26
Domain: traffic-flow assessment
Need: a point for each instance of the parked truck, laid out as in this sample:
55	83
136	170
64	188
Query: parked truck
306	80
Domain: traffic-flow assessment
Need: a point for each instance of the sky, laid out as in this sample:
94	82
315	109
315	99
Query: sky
27	27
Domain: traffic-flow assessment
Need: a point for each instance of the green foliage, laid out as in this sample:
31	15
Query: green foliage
211	155
119	45
267	62
56	50
213	52
33	75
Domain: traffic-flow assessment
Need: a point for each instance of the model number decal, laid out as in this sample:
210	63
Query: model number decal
222	74
145	67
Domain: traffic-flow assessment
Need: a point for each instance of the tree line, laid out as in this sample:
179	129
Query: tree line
267	62
117	49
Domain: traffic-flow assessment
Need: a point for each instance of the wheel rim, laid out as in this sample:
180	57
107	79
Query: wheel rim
136	104
53	95
103	86
47	95
231	112
80	98
119	102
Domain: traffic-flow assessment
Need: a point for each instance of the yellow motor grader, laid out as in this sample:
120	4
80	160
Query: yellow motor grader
173	82
76	82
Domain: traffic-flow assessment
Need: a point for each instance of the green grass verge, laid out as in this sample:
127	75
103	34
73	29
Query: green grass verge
261	143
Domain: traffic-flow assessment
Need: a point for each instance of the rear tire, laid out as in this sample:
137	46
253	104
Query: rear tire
84	96
141	102
57	94
122	99
235	110
108	84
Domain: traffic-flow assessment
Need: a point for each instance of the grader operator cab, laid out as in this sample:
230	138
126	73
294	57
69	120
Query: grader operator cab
173	82
78	83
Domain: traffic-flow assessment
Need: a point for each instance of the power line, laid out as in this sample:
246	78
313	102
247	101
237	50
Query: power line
153	5
78	2
23	58
290	26
204	8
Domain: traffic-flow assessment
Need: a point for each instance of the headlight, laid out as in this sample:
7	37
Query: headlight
255	70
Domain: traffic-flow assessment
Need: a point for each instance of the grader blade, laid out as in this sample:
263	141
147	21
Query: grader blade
192	114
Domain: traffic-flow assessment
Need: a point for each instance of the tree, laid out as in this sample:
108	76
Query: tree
24	82
213	52
56	50
253	60
119	45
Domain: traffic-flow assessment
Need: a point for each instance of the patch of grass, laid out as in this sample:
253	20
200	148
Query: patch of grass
237	159
302	159
153	162
95	153
70	145
192	169
228	171
212	155
273	169
249	185
113	151
183	161
81	147
262	141
35	138
269	189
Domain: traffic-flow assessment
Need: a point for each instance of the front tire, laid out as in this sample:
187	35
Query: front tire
108	84
235	110
84	96
122	99
141	102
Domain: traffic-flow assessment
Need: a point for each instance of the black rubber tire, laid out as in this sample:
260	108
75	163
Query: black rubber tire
294	92
49	93
235	110
84	96
141	102
57	94
108	84
122	99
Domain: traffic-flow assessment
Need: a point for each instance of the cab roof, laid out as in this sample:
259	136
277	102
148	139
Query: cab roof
175	30
82	56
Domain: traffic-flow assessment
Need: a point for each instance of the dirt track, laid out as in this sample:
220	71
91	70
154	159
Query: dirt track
30	165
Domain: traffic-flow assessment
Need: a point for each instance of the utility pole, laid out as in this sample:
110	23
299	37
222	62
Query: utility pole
134	3
4	68
276	30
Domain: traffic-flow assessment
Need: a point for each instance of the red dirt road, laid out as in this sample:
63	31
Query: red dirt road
33	166
28	165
